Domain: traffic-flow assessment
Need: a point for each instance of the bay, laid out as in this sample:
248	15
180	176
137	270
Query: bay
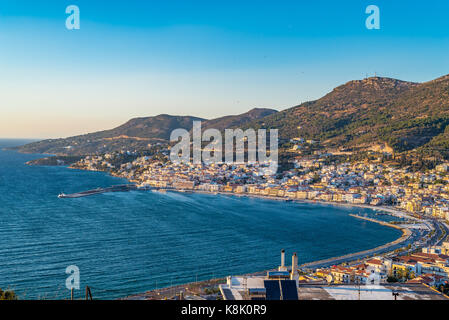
127	243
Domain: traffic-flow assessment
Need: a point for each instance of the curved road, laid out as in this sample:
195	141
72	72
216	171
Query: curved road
410	238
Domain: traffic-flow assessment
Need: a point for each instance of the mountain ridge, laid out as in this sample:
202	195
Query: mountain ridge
362	113
135	134
357	115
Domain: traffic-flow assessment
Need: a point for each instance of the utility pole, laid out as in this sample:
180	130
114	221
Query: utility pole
395	295
358	287
359	291
88	293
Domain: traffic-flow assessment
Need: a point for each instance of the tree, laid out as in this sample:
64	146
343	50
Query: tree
7	295
391	279
444	288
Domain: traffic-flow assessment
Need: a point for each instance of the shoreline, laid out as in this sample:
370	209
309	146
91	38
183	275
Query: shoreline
385	248
406	232
389	210
364	254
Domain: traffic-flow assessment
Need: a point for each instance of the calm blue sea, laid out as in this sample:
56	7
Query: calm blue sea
125	243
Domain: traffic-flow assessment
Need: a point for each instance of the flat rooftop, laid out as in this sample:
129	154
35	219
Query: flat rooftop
315	291
368	292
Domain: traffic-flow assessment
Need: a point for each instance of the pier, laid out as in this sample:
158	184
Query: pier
118	188
376	221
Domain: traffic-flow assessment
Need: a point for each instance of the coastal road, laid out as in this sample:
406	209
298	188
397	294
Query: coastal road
405	240
441	228
413	237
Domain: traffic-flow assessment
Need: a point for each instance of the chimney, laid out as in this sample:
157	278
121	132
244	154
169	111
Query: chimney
282	266
294	266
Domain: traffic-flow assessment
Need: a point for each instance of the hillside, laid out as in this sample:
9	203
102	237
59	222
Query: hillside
359	115
136	134
421	118
237	121
346	104
364	113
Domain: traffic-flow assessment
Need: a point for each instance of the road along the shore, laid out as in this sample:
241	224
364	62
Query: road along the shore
406	235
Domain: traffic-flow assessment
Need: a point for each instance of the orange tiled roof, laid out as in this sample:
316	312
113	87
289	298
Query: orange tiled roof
374	261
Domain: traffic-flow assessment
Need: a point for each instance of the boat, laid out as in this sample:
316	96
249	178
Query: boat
62	195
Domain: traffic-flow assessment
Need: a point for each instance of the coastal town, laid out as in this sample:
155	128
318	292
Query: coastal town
365	182
419	198
208	159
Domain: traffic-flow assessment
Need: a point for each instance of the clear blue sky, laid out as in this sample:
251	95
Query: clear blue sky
204	58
